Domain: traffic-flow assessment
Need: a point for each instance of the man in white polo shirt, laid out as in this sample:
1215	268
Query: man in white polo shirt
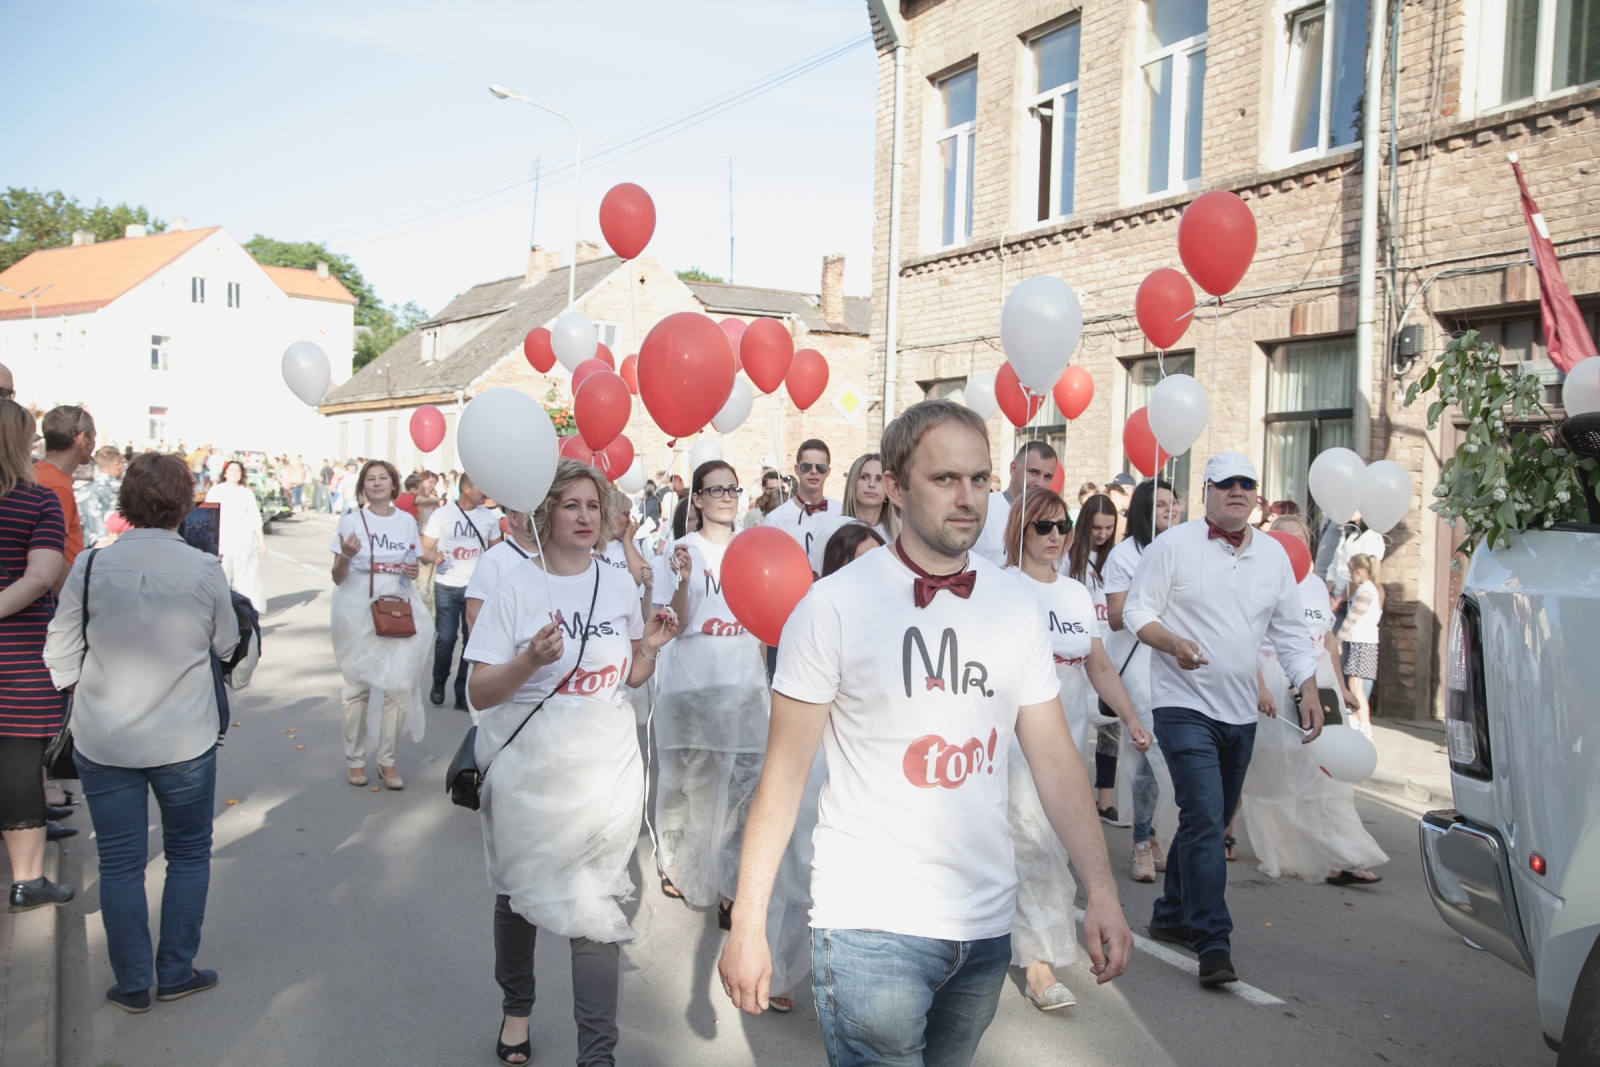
456	535
1034	467
913	667
801	514
1205	596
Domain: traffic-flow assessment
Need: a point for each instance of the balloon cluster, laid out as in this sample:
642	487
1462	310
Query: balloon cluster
1342	485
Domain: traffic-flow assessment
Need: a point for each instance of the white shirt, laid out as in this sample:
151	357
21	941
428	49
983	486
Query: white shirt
1228	603
391	535
1319	620
493	565
463	536
1120	565
239	524
790	517
158	609
1366	543
1068	612
1361	621
709	613
991	541
912	835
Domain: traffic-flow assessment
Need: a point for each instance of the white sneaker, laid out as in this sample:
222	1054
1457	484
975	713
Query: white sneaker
1144	865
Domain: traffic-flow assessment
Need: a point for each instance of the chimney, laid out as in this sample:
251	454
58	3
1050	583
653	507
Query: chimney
82	237
133	230
322	269
832	300
589	251
541	261
178	225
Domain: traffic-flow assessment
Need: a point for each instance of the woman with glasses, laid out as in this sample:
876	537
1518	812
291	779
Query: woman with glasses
865	500
711	708
1043	933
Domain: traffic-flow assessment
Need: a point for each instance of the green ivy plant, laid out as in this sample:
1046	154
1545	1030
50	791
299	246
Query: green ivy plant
1500	479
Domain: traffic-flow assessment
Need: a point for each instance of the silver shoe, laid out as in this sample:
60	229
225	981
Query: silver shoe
1057	996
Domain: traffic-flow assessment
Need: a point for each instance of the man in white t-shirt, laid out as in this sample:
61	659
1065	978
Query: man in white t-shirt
913	667
1034	467
1204	598
800	515
456	535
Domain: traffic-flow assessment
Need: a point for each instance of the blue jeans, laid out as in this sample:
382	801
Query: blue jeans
449	619
893	999
1207	759
119	809
1146	792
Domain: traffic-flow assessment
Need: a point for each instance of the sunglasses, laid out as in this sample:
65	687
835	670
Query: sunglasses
1043	527
717	492
807	468
1247	484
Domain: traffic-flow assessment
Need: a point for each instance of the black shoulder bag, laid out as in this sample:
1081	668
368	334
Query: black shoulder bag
58	754
1105	709
465	779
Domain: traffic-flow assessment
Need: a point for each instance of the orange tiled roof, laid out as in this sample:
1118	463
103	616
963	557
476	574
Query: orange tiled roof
69	281
305	283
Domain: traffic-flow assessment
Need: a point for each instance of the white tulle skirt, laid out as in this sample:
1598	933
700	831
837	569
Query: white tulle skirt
789	913
1044	929
1136	680
378	665
560	809
1299	820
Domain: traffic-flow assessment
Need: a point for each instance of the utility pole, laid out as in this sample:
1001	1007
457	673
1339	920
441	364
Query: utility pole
730	220
533	232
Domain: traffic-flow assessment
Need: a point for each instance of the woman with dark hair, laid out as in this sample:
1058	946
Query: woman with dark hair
1092	538
375	555
32	546
847	543
137	638
240	542
711	707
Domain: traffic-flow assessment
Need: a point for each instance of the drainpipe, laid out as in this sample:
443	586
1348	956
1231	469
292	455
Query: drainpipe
1366	300
890	28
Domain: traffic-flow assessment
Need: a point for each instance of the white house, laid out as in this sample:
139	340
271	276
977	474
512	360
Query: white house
173	337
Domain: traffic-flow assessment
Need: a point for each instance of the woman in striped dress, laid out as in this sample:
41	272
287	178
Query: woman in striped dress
32	539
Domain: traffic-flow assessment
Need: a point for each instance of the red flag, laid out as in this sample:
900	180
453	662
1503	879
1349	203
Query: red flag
1566	337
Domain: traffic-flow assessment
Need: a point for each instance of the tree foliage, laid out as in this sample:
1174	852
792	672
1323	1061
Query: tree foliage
395	321
31	220
695	274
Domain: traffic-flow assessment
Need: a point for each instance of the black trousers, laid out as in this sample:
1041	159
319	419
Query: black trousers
596	978
22	782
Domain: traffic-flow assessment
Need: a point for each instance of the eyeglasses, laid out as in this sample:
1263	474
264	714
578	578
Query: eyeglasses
1043	527
1247	484
807	468
717	492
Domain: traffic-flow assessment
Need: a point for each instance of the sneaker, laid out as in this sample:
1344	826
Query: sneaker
39	892
132	1003
1216	968
1144	867
198	982
1109	815
1157	855
1172	935
1057	996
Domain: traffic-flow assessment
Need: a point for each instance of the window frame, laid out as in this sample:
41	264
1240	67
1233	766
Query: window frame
1056	97
1181	361
1182	54
197	290
236	294
1292	14
1314	416
965	136
159	352
1485	53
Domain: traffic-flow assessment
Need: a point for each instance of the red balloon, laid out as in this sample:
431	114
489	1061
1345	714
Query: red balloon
601	408
536	346
685	372
1164	305
734	328
1139	444
1018	404
580	374
807	377
427	428
1073	391
572	447
1058	480
765	351
1217	240
1299	554
627	219
603	354
764	574
630	373
617	457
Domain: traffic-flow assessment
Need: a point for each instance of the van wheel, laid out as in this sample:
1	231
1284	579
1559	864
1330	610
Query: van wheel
1580	1040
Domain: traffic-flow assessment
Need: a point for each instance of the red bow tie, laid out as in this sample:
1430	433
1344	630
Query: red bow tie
811	509
926	585
1236	538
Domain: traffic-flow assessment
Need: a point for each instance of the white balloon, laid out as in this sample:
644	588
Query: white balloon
704	451
980	395
508	447
574	339
1345	753
737	408
1387	496
1580	394
1178	412
306	371
1040	324
632	479
1337	480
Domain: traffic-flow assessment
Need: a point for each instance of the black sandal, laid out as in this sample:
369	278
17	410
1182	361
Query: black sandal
503	1050
725	916
1230	844
1351	878
670	890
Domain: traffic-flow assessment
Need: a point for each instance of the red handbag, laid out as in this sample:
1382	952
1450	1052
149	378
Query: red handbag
391	614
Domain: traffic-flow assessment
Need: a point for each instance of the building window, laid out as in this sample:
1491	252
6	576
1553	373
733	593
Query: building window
235	295
958	108
1522	349
158	424
366	438
1325	77
1536	48
1173	73
1052	132
158	351
344	440
391	448
606	334
197	290
1143	375
1311	392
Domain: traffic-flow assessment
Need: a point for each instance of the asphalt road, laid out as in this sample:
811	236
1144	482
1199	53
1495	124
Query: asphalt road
353	927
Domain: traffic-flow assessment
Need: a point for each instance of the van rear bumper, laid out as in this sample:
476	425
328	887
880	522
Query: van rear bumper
1469	878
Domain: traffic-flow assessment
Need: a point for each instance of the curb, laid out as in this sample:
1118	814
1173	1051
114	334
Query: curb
33	983
1417	790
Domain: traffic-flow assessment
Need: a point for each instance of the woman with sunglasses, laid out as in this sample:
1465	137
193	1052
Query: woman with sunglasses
711	708
865	500
1043	933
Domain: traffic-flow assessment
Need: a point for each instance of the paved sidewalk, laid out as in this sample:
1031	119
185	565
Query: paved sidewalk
30	1007
1412	762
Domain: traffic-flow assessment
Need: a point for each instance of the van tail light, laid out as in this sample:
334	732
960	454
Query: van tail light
1536	864
1466	709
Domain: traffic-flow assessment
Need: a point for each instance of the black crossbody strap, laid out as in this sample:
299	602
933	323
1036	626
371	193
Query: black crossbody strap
88	565
473	527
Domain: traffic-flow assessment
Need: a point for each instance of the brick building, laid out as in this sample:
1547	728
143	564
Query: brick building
1066	137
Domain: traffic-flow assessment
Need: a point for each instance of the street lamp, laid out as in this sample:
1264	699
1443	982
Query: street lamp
577	169
33	309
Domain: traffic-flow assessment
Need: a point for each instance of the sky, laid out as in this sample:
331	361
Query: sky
370	126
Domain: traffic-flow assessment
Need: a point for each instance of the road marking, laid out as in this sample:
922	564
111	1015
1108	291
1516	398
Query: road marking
1172	958
291	559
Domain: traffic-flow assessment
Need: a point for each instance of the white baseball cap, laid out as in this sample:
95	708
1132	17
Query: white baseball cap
1225	465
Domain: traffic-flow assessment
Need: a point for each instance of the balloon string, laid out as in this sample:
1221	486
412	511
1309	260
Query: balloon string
1215	317
544	564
